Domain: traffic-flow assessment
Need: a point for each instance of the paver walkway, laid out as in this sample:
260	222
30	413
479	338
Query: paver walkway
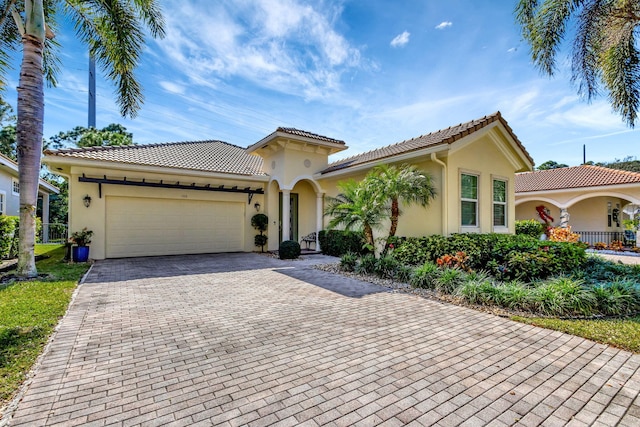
243	339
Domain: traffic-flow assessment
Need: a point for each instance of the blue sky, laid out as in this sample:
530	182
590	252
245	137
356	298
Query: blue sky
368	72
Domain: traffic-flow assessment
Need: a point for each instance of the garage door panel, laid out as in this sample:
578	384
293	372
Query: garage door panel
142	227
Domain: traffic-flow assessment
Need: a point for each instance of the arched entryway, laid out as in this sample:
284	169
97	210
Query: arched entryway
296	211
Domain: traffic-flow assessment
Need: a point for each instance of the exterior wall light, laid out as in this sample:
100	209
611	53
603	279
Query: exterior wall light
86	200
257	206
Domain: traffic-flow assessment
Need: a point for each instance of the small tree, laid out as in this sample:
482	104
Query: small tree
357	207
260	222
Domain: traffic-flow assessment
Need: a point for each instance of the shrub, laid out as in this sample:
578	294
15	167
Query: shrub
367	264
260	240
339	242
478	289
425	276
386	267
530	227
403	273
458	260
563	296
506	256
7	233
260	222
616	245
515	295
289	249
617	298
449	280
600	246
348	261
559	234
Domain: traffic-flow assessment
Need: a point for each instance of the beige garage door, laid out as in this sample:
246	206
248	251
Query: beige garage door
143	227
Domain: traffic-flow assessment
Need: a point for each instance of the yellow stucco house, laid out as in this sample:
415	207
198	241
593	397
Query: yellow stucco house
593	200
199	197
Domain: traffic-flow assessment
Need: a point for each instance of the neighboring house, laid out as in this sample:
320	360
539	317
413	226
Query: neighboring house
10	191
199	197
592	197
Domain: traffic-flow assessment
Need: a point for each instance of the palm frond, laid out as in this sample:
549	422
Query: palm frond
113	30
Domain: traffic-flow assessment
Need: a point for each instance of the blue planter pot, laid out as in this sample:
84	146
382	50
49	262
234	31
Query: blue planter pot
80	253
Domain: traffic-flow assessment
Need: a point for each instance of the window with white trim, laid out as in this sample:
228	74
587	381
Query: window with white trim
499	203
15	186
469	200
3	203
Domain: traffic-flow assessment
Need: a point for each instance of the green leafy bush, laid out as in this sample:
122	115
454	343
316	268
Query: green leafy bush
339	242
8	227
506	256
289	249
349	261
425	276
617	298
563	297
530	227
386	267
449	280
367	264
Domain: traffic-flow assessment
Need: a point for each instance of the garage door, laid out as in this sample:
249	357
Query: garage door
143	227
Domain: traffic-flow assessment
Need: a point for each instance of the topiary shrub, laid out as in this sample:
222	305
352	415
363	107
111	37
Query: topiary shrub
289	249
260	222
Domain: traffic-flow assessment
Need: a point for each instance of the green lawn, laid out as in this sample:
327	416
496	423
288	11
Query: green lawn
621	333
28	313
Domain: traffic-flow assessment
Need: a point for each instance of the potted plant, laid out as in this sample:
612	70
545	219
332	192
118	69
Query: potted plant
81	239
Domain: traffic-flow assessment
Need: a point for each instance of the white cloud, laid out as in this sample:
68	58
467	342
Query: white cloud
400	39
172	87
443	25
511	50
289	46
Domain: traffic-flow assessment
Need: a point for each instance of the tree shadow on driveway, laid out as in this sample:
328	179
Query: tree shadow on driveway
336	283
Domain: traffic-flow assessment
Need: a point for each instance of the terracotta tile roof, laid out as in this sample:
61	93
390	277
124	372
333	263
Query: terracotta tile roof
208	156
573	177
305	134
441	137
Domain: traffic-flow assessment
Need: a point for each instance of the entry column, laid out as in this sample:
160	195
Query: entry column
319	222
286	215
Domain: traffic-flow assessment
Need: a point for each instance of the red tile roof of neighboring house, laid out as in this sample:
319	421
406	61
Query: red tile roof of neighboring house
573	177
208	156
441	137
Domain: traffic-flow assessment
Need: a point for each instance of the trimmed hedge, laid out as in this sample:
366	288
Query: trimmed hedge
505	256
340	242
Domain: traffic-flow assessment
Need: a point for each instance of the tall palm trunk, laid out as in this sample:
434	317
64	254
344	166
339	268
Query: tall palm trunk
29	133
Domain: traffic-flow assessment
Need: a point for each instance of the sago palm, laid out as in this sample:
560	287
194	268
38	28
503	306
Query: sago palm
356	208
604	48
114	33
406	184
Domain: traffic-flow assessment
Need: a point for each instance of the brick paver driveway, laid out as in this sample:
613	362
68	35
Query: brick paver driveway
245	339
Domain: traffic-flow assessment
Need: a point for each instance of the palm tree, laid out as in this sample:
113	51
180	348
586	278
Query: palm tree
356	207
604	48
113	31
406	184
